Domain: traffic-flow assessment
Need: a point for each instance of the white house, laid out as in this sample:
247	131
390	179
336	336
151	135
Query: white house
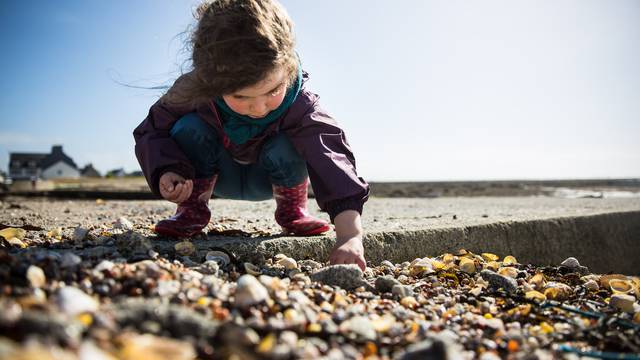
26	166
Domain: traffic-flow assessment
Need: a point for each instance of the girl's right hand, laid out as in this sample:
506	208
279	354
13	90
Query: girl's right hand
174	187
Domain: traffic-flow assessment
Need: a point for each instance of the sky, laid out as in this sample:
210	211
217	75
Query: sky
424	90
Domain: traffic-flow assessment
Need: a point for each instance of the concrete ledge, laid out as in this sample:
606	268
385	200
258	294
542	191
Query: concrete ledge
604	242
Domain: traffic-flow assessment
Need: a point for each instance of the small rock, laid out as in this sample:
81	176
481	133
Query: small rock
152	347
402	291
348	277
358	327
133	243
557	291
79	234
123	223
219	257
570	262
249	291
185	248
591	285
498	281
104	265
310	264
385	283
73	301
70	260
36	277
168	288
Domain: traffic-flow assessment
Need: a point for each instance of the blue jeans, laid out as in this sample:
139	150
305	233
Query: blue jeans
278	163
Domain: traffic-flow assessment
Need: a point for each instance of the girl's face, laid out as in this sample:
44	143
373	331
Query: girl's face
258	100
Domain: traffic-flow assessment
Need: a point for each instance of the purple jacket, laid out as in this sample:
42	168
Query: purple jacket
314	134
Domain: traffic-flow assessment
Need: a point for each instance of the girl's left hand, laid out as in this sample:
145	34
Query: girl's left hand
350	251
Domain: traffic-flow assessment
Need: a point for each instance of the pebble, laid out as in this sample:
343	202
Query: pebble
36	277
70	260
73	301
386	283
498	281
358	328
79	234
249	291
402	291
123	223
348	277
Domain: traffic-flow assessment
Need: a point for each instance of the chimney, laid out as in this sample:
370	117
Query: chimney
56	149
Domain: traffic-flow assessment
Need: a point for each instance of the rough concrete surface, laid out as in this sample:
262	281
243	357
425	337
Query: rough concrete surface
603	234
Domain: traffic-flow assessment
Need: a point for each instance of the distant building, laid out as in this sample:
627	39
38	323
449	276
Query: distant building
135	173
89	171
30	166
116	173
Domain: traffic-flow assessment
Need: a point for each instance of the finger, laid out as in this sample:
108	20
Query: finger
183	194
361	263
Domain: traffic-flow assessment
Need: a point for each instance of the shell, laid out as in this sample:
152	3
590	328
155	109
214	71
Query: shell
509	260
467	265
288	263
490	257
537	281
623	302
621	286
36	276
185	248
218	256
535	296
249	268
508	271
558	291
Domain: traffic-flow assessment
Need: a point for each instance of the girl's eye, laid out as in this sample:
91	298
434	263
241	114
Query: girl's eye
277	91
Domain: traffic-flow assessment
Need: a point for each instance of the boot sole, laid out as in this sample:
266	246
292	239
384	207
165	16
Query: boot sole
317	231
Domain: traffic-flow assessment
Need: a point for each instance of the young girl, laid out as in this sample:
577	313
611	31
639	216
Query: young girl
243	125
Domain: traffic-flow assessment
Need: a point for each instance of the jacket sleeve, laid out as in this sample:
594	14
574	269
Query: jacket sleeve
156	151
330	161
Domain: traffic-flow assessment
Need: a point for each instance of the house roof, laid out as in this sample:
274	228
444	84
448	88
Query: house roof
27	157
56	156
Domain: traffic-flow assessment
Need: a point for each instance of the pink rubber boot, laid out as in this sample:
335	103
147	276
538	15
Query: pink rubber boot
192	214
292	213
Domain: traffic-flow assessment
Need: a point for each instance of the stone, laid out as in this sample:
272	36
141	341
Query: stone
73	301
385	283
36	277
79	234
402	291
498	281
70	260
358	328
249	292
348	277
123	223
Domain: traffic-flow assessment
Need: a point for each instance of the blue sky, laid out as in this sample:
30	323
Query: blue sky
425	90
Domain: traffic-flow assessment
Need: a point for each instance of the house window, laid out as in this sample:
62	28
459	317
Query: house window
15	163
32	163
59	172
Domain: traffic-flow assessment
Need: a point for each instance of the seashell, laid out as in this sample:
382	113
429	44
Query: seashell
218	256
467	265
438	265
623	302
571	262
249	291
508	271
489	257
288	263
267	344
558	291
11	233
185	248
55	233
249	268
448	258
492	265
17	242
36	277
535	296
605	279
537	281
409	302
621	286
421	267
509	260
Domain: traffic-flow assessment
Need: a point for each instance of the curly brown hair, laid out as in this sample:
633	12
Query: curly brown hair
235	44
